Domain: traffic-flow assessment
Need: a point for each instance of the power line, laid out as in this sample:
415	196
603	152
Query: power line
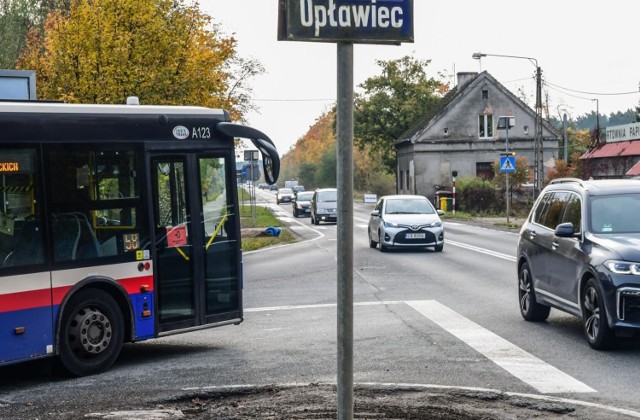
591	93
568	94
294	100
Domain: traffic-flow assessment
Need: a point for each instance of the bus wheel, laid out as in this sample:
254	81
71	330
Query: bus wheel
91	333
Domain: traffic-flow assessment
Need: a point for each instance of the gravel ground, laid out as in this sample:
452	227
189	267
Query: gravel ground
370	402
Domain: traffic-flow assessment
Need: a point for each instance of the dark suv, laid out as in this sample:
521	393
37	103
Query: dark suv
579	251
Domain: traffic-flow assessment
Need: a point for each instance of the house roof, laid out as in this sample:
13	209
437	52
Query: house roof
453	96
634	171
619	148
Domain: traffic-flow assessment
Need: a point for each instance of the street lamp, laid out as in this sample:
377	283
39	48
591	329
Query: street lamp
538	176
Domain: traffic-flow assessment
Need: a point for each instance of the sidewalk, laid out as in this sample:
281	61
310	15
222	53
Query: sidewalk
499	223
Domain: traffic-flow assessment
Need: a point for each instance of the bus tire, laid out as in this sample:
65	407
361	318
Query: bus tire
91	333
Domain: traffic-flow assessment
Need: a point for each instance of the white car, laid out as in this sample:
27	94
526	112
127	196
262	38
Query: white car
285	195
405	221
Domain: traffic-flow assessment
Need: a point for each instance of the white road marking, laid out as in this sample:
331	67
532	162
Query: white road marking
524	366
480	250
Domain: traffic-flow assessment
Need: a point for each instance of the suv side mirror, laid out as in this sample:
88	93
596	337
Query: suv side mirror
565	230
375	213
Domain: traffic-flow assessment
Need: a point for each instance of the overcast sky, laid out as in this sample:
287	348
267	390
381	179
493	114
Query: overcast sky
586	49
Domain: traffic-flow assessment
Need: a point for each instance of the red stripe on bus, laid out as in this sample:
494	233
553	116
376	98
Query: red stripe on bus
42	297
25	300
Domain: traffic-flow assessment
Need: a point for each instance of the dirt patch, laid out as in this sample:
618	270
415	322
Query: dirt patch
378	402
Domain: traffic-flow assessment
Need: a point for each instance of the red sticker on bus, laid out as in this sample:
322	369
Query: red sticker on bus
176	236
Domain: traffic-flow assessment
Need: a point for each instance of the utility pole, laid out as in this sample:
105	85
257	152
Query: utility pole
539	143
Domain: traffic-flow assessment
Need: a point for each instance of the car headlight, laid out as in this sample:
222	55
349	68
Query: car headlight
437	223
623	267
390	224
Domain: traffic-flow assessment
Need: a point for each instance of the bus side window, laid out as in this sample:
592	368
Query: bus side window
97	193
27	248
21	238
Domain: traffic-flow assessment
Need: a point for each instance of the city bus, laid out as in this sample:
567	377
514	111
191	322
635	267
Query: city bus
119	223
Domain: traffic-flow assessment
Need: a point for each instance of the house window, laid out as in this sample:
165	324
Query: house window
401	180
408	181
484	170
485	94
485	126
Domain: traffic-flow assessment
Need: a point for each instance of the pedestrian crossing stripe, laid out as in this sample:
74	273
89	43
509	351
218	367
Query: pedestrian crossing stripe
507	164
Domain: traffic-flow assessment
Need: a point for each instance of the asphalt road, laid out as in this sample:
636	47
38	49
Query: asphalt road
445	319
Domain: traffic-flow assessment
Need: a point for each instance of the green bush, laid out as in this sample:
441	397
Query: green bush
478	196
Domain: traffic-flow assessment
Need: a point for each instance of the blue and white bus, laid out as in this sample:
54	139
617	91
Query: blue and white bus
119	223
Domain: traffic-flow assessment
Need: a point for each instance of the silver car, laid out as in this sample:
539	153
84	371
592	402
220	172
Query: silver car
405	221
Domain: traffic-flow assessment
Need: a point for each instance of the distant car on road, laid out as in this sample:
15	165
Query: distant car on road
273	187
302	204
405	221
579	252
263	186
324	206
285	195
297	189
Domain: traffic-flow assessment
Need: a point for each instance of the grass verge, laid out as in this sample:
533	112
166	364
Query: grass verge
253	236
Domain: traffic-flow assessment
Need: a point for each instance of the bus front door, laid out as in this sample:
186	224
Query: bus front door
197	254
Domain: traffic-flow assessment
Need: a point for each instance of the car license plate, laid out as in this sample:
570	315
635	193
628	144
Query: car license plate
333	215
415	236
307	210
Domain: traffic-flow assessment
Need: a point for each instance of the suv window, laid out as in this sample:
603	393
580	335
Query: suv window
615	214
552	209
573	212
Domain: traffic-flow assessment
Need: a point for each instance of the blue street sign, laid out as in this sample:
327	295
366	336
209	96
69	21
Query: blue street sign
507	164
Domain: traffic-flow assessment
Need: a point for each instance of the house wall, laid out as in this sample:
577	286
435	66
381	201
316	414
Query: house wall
433	163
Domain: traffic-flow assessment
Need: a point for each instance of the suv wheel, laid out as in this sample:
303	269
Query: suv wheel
529	308
594	318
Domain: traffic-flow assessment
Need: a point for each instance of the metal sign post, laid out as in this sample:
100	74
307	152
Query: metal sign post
345	22
345	229
504	123
254	173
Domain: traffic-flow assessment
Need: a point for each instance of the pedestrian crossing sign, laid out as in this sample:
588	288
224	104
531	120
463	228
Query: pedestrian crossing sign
507	164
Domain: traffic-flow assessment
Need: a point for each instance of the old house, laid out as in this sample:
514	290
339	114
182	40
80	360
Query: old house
462	135
617	156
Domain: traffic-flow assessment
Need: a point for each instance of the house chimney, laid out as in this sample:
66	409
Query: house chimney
464	77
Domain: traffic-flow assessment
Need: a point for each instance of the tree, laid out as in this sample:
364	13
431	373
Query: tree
163	51
561	170
392	103
309	160
17	17
516	179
